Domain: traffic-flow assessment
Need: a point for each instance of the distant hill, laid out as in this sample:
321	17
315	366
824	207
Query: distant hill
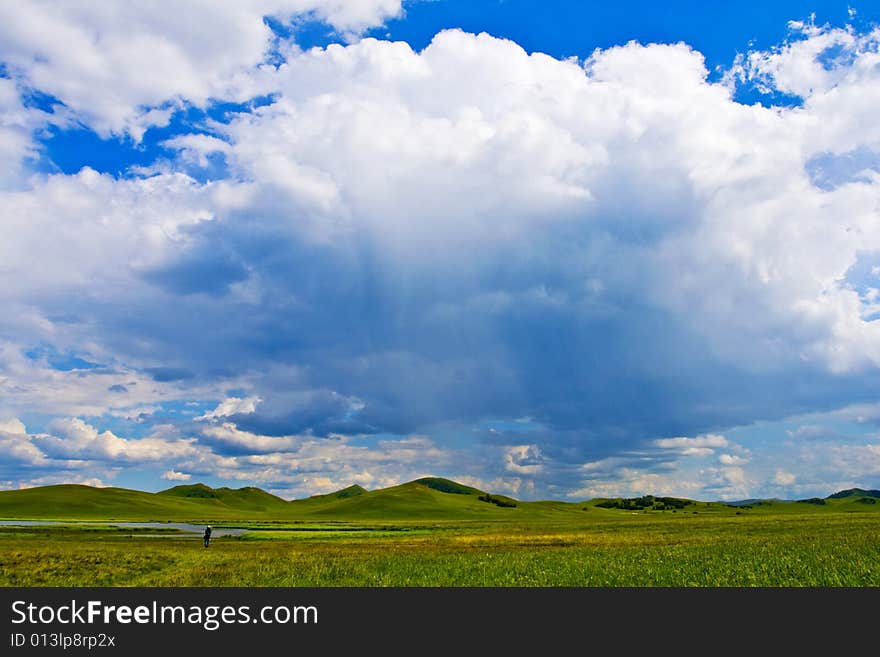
72	501
749	502
428	498
447	486
423	499
854	492
755	501
352	491
248	498
197	491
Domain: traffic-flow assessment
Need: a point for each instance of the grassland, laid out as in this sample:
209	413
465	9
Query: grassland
419	535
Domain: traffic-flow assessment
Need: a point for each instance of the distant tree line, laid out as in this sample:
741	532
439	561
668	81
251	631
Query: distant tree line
497	501
645	502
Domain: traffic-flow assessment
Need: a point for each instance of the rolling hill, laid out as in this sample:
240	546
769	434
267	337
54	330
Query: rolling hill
854	492
428	498
248	498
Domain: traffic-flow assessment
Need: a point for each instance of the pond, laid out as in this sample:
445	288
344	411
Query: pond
178	527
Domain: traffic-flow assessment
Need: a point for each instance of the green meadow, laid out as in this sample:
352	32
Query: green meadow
434	532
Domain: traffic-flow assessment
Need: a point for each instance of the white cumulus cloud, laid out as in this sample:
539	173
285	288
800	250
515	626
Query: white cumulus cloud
172	475
708	442
614	247
232	406
783	478
120	67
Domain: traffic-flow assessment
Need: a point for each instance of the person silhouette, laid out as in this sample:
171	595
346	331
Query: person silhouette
207	535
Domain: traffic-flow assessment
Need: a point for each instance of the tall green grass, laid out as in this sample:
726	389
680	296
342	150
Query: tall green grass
828	549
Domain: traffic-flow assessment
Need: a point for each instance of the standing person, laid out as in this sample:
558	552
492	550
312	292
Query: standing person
207	535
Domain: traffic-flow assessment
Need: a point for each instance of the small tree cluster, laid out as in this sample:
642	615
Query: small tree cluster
497	501
645	502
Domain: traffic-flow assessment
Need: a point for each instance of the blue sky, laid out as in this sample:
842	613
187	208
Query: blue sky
551	249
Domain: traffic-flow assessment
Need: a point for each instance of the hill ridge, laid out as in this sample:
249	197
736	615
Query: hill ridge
349	491
426	498
854	492
446	486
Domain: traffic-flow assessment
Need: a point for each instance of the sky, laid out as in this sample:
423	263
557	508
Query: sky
549	249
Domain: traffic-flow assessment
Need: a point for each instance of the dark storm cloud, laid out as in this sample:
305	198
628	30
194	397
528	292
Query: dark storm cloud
347	342
614	249
168	374
202	271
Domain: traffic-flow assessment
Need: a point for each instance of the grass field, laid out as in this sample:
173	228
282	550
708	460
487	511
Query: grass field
418	535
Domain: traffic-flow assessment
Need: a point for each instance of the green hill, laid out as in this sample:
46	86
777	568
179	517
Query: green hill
447	486
351	491
193	491
421	499
854	492
72	501
248	498
428	498
195	502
